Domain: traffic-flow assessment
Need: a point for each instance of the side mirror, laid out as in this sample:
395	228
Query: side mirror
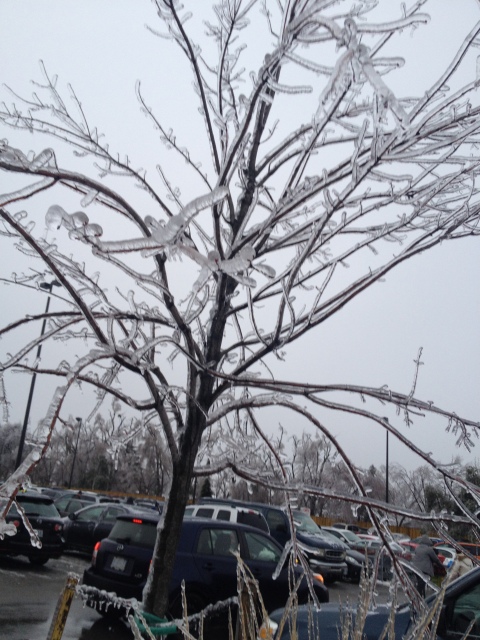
72	516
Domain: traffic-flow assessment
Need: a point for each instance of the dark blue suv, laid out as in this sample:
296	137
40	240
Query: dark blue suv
325	556
204	560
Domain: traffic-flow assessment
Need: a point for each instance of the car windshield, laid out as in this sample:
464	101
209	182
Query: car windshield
303	522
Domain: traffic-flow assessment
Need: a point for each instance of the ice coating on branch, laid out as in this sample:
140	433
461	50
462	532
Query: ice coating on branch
168	233
16	158
79	219
165	234
93	230
6	528
234	267
54	217
57	216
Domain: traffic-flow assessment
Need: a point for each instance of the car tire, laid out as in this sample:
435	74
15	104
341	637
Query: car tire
38	561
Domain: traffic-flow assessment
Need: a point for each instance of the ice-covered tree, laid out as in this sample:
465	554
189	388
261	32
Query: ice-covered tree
309	177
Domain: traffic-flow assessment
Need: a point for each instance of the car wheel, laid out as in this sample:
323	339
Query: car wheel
38	560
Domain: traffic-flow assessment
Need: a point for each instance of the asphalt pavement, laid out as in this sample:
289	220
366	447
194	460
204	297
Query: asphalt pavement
29	595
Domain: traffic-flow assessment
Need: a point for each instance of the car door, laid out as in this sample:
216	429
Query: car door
262	556
462	613
216	563
82	528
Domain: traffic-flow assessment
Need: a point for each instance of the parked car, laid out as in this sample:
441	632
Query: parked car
45	522
145	503
85	527
55	492
461	607
357	562
349	537
70	502
243	515
326	557
204	561
349	527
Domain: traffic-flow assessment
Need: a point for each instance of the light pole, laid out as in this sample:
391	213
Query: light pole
386	466
48	287
79	427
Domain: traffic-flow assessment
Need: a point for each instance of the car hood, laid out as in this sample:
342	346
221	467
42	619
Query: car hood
318	540
327	621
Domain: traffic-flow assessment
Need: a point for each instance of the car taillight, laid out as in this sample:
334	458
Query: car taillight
95	552
57	527
137	521
16	523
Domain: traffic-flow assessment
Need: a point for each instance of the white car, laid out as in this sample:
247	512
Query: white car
242	515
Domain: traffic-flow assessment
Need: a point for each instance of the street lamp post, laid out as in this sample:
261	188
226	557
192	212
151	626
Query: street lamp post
48	287
386	465
79	427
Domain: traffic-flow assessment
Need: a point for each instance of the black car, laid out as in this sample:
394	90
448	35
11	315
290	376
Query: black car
46	539
459	610
85	527
325	556
204	561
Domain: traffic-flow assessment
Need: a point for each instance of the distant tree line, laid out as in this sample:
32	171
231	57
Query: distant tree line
111	454
117	454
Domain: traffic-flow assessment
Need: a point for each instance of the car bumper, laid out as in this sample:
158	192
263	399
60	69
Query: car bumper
329	570
26	549
91	579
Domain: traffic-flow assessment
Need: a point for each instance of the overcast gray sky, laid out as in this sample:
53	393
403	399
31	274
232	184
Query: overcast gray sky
101	47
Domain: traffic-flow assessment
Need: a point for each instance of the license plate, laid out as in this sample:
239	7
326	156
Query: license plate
118	563
38	533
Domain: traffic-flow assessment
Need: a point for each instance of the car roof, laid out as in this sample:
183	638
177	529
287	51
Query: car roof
33	496
196	523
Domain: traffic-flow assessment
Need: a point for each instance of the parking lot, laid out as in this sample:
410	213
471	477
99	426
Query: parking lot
28	596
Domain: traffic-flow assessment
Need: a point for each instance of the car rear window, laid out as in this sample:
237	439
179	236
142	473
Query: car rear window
136	531
36	508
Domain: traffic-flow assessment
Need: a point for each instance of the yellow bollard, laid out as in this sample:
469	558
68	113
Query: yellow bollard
63	607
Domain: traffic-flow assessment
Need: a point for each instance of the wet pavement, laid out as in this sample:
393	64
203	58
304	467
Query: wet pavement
29	596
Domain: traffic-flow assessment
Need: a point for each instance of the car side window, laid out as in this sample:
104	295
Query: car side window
225	541
205	512
466	612
223	514
90	514
275	521
261	548
205	544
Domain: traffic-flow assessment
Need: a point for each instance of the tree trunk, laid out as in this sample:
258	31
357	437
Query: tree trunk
155	597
